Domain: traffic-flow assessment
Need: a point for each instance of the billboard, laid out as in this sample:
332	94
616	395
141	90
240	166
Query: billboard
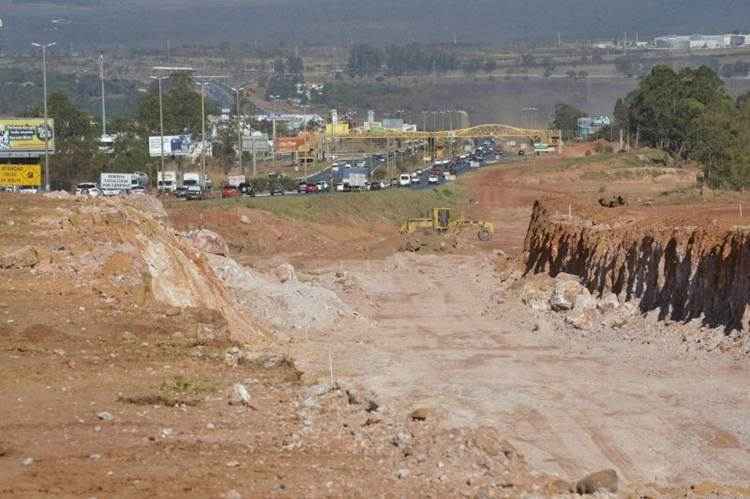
23	135
20	175
115	181
174	145
288	145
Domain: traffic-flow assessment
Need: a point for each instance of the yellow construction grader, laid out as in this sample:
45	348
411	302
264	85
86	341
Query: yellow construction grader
441	222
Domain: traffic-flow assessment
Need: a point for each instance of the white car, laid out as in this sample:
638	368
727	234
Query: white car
433	179
87	189
404	180
415	179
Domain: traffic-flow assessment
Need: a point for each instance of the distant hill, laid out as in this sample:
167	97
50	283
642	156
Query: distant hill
101	23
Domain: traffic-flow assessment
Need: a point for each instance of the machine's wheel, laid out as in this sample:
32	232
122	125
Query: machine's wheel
484	235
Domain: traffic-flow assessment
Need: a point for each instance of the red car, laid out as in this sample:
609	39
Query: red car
230	191
311	188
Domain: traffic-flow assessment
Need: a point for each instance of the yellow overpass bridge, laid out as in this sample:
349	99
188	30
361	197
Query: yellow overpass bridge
551	137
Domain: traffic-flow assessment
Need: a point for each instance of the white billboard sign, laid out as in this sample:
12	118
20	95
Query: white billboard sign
174	145
115	181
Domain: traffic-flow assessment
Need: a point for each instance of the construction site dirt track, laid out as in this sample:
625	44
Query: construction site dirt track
270	356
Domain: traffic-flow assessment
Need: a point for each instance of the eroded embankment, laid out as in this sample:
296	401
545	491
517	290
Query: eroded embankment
684	272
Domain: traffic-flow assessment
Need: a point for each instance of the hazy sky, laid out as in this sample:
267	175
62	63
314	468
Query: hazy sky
149	22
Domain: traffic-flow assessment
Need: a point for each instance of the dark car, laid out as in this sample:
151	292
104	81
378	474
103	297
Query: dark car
277	189
230	191
246	189
302	188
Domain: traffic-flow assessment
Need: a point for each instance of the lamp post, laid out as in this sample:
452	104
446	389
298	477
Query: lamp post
239	126
203	134
203	124
104	108
44	47
161	130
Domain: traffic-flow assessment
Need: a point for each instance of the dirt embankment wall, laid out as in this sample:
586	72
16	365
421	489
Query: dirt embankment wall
684	272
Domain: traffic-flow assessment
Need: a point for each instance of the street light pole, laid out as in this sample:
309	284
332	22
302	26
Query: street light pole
203	134
161	130
239	128
203	124
104	108
44	48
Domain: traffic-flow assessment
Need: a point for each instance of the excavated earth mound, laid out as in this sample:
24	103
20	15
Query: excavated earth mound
687	265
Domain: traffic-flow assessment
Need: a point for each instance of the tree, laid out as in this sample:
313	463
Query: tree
665	106
225	149
181	106
129	154
77	155
295	65
689	114
621	117
566	117
365	60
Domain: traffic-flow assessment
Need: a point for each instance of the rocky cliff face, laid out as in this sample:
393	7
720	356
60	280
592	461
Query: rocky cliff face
684	272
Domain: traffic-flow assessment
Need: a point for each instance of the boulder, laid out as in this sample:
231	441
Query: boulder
536	292
601	481
238	395
585	301
746	344
564	293
208	242
420	414
21	258
285	272
608	303
583	320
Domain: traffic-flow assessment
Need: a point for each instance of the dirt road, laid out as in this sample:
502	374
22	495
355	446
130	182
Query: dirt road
571	403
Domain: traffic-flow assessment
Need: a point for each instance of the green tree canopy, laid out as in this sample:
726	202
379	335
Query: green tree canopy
181	106
566	117
665	107
77	157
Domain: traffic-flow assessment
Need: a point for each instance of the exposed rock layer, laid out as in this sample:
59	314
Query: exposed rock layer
685	272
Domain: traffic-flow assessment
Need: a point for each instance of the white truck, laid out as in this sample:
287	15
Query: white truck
193	186
167	181
404	180
114	184
354	180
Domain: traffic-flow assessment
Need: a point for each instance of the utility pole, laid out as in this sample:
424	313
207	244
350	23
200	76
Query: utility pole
273	131
44	48
203	135
203	125
239	129
161	130
104	108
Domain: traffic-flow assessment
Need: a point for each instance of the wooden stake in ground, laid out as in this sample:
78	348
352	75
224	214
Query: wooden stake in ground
330	366
570	211
740	205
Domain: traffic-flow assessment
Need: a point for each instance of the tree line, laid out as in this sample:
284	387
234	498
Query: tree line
690	114
78	156
397	60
